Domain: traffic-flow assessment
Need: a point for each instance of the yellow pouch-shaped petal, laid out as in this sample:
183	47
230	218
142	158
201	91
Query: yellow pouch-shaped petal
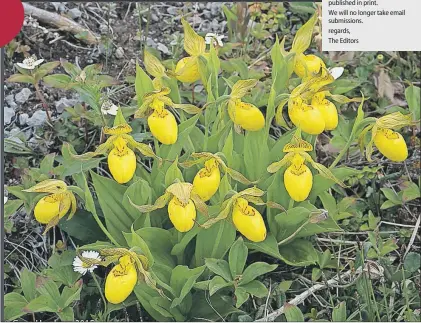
327	109
308	65
189	74
207	180
49	206
391	144
247	115
308	118
182	216
163	126
121	162
248	221
120	281
298	182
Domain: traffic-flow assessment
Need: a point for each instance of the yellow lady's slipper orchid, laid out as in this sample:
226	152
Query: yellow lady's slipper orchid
49	207
162	124
298	179
121	281
187	70
207	180
327	109
308	65
182	215
121	161
307	117
246	115
391	144
248	221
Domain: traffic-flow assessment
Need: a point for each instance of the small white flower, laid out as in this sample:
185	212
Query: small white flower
5	199
336	72
81	267
109	108
30	63
217	39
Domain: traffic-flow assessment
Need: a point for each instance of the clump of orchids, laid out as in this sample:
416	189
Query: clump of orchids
51	208
119	147
132	266
182	203
308	106
298	178
161	121
389	142
246	219
207	180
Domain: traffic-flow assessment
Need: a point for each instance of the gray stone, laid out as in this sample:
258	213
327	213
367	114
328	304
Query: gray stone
59	6
119	53
74	13
154	17
64	103
207	14
37	119
9	113
10	100
23	119
173	10
163	48
150	42
23	95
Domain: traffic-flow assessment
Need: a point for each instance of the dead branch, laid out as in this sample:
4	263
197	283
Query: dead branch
300	298
61	22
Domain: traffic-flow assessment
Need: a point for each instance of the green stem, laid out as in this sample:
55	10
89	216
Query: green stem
342	152
294	234
100	291
104	229
291	204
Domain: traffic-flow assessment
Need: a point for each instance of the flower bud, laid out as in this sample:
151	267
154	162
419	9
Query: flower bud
182	216
49	207
120	281
308	65
163	126
248	221
298	179
247	115
327	109
121	161
206	182
391	144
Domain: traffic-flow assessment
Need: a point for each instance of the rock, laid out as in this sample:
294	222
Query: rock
215	8
173	10
59	6
23	95
150	42
9	113
154	17
207	14
163	48
64	103
119	53
74	13
37	119
10	100
19	134
23	119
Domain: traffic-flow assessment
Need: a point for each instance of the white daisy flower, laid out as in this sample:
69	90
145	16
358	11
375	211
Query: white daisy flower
30	63
81	267
336	72
109	108
217	39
